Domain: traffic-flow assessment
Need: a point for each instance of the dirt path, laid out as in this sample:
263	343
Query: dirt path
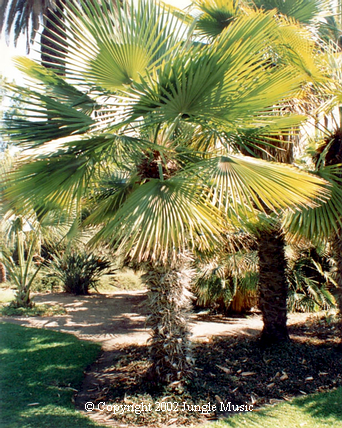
116	320
119	318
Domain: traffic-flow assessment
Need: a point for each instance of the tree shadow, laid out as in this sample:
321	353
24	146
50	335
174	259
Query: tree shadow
39	374
93	316
325	405
229	369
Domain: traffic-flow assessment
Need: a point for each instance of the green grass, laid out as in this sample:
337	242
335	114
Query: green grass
313	411
39	370
38	310
6	295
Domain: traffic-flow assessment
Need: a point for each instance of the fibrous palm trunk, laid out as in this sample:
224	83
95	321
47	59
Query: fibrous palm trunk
273	287
169	303
337	255
2	273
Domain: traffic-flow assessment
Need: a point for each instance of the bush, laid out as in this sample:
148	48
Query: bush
45	283
79	271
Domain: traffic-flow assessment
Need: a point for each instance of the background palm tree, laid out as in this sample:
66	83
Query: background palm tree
214	18
25	17
324	224
157	119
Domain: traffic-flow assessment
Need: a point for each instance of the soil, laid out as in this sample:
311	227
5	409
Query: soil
230	364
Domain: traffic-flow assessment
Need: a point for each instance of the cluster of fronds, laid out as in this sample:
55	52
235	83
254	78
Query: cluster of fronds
229	284
79	271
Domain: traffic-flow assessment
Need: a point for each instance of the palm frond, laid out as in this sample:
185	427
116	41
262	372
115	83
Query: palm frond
318	223
304	11
245	184
120	42
163	218
215	16
55	86
50	118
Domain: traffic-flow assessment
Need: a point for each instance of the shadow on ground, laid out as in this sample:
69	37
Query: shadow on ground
228	369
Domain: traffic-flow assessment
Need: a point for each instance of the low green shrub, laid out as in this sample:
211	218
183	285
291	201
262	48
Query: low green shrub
38	310
45	283
79	272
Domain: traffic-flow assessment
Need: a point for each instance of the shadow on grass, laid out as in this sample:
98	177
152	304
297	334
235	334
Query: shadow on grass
320	410
325	405
40	372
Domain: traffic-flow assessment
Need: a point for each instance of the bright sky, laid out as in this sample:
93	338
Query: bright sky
7	68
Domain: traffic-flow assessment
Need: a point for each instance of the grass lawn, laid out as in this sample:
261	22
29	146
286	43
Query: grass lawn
39	372
313	411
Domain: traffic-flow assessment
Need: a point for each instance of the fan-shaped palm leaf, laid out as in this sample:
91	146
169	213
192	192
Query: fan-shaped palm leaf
318	223
120	42
304	11
239	181
164	218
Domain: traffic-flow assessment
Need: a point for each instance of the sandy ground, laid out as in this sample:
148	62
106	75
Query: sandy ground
119	318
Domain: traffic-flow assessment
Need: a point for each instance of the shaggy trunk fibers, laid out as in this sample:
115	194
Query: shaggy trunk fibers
337	256
2	273
169	303
273	286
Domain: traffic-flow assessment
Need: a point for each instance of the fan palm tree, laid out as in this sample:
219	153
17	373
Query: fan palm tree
156	117
215	16
324	223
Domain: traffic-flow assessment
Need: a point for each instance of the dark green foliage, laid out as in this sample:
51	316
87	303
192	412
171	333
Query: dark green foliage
231	284
228	284
310	282
45	283
79	271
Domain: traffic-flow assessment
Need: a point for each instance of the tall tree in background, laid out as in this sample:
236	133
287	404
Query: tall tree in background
298	48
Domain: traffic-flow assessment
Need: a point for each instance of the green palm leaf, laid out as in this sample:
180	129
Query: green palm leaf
164	218
63	176
243	184
304	11
227	78
55	86
319	223
216	16
50	118
112	44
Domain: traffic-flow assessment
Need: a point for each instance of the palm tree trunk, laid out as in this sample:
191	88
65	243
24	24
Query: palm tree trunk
52	37
273	287
169	303
2	273
337	256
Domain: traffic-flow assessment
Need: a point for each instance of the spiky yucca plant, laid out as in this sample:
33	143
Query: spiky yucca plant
78	271
23	272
